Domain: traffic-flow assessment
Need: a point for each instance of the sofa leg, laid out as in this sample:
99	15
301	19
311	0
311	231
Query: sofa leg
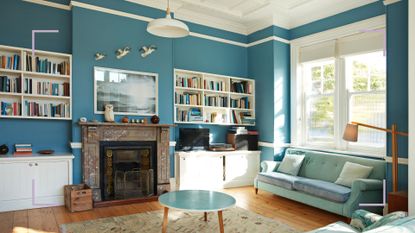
348	220
256	190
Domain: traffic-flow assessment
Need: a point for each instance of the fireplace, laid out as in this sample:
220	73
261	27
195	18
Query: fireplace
128	170
125	163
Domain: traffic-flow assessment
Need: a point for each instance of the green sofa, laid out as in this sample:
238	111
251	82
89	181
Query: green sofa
364	221
315	185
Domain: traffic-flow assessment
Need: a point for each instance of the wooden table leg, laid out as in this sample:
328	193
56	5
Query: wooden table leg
205	216
220	221
165	219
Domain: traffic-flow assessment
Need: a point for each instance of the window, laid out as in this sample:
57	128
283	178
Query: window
336	82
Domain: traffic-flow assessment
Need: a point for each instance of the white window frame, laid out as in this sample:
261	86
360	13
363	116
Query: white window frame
297	93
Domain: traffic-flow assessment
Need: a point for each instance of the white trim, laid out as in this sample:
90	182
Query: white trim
403	161
270	38
76	145
273	145
110	11
388	2
411	107
195	34
50	4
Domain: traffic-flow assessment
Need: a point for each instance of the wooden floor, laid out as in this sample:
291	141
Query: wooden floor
297	215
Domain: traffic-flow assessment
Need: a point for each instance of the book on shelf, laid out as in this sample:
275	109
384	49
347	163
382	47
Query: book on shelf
188	98
242	118
10	62
189	82
47	66
10	84
215	117
193	114
22	149
242	102
10	109
33	86
22	153
216	101
241	86
214	85
46	109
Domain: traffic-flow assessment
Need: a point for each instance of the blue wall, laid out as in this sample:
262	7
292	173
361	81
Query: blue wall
16	30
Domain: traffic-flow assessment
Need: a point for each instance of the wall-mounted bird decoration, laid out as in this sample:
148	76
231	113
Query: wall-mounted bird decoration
120	53
100	56
147	50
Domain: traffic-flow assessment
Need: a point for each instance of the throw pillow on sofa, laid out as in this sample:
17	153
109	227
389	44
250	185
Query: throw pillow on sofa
387	219
291	164
351	172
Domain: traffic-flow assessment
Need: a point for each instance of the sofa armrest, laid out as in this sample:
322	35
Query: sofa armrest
363	218
367	184
269	166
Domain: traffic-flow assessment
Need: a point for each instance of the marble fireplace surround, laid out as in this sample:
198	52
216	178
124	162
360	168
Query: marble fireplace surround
95	132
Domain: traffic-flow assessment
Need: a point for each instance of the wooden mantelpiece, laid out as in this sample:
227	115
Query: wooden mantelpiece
95	132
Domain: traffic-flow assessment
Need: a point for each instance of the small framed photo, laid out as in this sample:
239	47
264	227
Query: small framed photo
130	92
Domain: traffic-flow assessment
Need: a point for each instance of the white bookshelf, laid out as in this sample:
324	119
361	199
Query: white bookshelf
42	87
215	97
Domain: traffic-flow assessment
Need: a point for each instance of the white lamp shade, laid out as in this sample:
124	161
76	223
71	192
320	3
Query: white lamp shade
351	133
168	27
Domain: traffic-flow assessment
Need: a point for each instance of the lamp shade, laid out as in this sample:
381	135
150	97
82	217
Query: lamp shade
168	27
350	133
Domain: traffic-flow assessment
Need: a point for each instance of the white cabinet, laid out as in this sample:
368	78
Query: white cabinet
33	182
216	170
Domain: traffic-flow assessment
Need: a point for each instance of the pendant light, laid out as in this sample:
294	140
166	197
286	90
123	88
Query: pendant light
168	27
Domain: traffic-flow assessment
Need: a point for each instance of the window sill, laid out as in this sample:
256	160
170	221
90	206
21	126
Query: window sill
353	153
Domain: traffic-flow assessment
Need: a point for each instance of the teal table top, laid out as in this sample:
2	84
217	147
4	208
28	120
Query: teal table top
197	200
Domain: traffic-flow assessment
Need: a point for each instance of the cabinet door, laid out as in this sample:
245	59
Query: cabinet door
50	178
16	180
201	172
241	169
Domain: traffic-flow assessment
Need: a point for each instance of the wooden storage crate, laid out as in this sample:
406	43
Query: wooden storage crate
78	197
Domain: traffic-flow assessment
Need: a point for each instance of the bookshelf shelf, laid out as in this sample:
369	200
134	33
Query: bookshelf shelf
35	88
219	99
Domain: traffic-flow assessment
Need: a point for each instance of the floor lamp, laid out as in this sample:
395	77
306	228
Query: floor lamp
351	134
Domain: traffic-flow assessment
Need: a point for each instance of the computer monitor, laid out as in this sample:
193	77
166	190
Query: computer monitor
193	139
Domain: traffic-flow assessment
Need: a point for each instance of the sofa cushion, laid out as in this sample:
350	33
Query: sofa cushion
278	179
291	164
351	172
323	189
337	227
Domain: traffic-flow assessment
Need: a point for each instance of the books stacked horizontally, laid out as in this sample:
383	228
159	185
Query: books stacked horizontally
22	149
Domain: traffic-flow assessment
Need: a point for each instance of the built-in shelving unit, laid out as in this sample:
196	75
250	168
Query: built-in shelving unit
38	87
204	98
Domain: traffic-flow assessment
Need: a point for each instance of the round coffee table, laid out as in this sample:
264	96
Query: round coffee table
196	201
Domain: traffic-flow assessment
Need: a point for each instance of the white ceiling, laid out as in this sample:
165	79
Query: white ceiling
247	16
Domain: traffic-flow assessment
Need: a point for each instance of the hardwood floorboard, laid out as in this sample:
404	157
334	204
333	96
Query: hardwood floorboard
295	214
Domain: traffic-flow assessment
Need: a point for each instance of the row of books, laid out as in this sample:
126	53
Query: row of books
10	62
193	114
188	98
47	66
215	85
23	149
10	84
241	87
241	103
10	109
242	118
216	101
192	82
33	86
47	109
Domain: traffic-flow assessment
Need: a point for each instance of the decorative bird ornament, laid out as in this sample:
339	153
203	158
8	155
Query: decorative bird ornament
100	56
147	50
120	53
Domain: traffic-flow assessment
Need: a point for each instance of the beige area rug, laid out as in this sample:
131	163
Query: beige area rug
236	220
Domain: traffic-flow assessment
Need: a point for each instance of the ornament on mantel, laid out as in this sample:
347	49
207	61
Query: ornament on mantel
109	113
